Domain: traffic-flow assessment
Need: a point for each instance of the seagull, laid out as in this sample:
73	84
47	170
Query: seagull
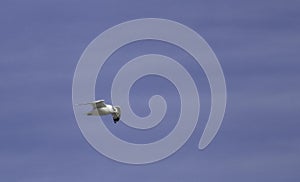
100	109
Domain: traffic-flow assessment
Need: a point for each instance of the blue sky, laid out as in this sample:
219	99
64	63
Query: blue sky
257	43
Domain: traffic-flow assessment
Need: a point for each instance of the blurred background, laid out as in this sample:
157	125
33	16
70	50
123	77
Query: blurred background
257	44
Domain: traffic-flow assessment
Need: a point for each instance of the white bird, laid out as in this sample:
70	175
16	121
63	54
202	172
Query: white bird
100	109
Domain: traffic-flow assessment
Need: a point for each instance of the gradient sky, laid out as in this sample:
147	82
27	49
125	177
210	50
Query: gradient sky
257	43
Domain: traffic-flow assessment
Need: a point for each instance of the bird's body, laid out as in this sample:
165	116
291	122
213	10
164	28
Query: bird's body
100	109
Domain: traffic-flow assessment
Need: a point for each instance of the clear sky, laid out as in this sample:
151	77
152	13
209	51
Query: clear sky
257	43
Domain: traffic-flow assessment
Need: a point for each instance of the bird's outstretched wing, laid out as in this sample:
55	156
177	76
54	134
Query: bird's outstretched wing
96	104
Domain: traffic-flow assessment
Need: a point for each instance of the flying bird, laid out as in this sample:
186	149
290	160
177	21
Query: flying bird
100	109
